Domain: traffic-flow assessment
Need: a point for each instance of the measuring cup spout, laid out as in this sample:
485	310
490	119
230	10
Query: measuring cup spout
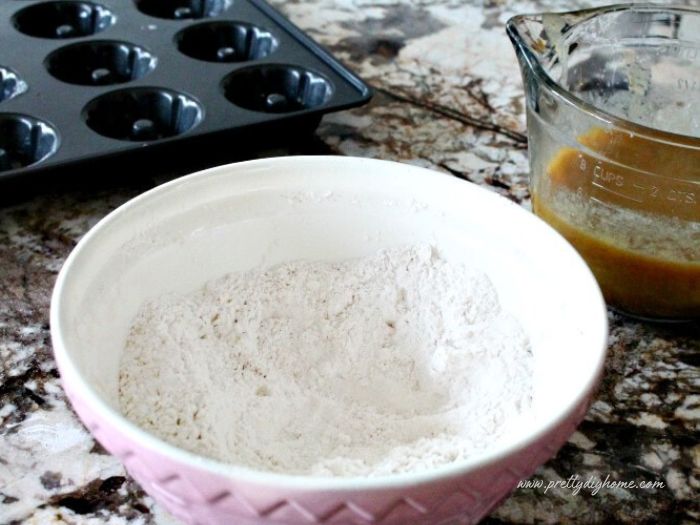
540	43
526	33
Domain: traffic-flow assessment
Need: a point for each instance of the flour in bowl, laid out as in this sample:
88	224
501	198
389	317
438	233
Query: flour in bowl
393	363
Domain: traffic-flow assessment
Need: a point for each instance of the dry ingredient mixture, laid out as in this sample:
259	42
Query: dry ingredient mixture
393	363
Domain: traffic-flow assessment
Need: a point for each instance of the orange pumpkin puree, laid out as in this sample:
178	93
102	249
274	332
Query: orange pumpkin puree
631	206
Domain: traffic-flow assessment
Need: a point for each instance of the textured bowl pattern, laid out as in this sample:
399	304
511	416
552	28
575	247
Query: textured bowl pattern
201	498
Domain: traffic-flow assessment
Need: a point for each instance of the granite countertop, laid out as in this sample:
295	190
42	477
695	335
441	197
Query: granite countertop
449	97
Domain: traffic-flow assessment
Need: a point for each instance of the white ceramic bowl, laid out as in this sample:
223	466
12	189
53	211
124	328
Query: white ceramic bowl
184	233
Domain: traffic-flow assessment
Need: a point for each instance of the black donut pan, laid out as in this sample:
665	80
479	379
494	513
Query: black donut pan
90	81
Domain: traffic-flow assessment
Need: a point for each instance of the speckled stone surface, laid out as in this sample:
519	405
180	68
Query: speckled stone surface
448	97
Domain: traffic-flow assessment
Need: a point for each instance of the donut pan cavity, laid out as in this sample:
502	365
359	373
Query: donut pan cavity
85	81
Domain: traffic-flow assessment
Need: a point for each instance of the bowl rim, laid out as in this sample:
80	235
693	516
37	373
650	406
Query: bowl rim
81	388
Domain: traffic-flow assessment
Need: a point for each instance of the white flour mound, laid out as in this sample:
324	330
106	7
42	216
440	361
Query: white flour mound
398	362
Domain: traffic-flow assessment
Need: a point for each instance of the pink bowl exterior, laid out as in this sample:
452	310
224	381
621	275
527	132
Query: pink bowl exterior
203	493
201	497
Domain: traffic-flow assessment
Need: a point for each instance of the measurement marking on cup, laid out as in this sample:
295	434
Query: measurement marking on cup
687	84
684	197
669	194
606	176
653	191
615	184
619	194
688	53
610	181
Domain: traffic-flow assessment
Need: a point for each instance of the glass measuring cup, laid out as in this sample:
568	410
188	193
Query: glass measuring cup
613	115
